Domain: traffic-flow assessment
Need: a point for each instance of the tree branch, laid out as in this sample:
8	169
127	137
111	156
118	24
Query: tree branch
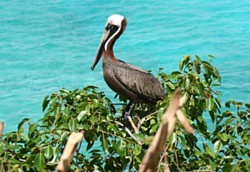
69	150
152	157
1	128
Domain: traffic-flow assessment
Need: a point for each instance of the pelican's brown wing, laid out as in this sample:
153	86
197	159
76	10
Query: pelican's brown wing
140	82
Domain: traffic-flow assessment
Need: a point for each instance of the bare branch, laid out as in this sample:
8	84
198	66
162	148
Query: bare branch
69	150
152	157
129	132
131	135
144	119
184	121
133	125
1	128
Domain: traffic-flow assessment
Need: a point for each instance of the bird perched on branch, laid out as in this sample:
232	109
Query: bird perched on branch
131	82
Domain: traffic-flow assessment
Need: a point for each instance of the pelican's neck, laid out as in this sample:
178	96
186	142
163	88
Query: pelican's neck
109	44
109	54
112	38
108	49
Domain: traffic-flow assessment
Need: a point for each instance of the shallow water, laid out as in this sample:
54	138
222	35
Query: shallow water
45	46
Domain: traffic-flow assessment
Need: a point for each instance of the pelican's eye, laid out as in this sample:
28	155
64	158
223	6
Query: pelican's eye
111	27
108	26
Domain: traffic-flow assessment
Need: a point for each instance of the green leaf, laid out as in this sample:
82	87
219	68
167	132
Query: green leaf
67	111
183	140
53	101
1	149
121	147
152	121
198	58
63	136
40	161
208	150
227	167
90	138
90	87
104	144
237	104
207	66
32	127
160	68
224	137
82	106
94	119
170	85
198	67
211	56
196	90
64	91
247	105
212	115
227	114
24	137
90	145
154	128
45	102
173	138
184	61
217	75
48	152
137	149
57	112
247	161
201	89
227	104
186	82
22	122
73	124
210	103
218	102
176	74
229	120
56	154
82	116
95	102
217	146
190	66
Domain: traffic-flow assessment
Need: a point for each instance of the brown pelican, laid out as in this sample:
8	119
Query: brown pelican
129	81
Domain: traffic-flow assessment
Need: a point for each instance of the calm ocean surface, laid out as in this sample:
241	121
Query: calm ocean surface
48	45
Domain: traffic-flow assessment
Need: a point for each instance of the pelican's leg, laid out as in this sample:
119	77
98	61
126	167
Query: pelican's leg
127	118
130	106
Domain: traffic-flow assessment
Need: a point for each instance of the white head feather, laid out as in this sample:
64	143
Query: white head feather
116	19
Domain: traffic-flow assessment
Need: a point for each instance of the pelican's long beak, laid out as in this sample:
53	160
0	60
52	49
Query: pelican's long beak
100	47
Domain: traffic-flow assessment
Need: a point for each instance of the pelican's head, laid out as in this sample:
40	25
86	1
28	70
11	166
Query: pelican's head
114	27
115	19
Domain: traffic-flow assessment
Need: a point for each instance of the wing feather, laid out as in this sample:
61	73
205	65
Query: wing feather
140	82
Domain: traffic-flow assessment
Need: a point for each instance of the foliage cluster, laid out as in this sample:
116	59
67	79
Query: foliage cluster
221	141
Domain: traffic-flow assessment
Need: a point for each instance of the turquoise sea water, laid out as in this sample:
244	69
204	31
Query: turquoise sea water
48	45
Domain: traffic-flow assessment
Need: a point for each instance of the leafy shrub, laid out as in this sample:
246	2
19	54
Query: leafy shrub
221	141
